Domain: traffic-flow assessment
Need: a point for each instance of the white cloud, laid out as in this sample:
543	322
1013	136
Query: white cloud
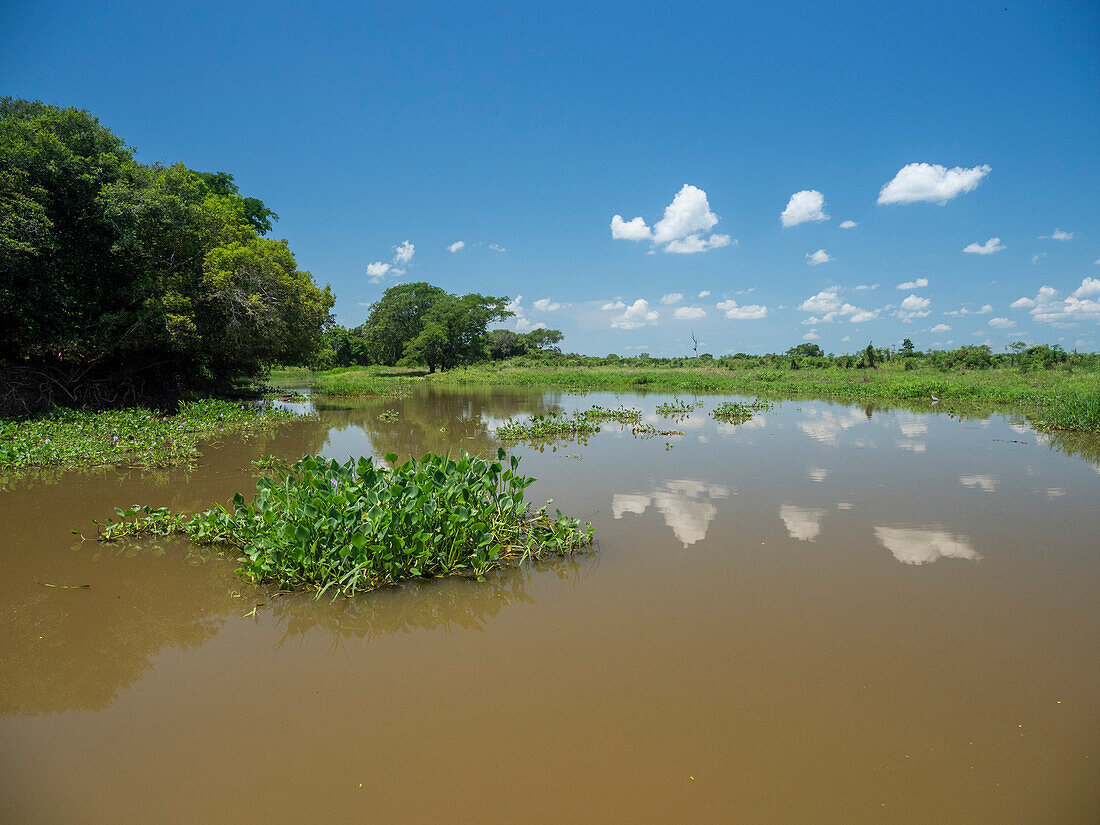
457	246
849	225
672	298
632	230
846	338
863	287
920	283
985	310
1036	258
546	305
1001	323
817	258
697	243
940	328
1090	288
706	292
1047	307
681	228
1022	303
377	271
749	312
1058	235
825	301
403	253
804	206
497	247
915	302
811	336
610	305
864	315
636	315
931	182
988	248
689	313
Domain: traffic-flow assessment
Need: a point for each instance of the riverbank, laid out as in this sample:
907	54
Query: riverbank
1053	398
137	437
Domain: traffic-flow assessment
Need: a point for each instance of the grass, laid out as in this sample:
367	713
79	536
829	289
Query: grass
1053	398
70	439
359	526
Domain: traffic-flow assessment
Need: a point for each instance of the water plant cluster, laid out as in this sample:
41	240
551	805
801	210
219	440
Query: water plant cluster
676	408
67	438
361	525
738	412
547	427
623	415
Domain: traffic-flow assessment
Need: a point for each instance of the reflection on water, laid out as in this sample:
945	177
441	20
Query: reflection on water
803	523
924	545
685	504
984	482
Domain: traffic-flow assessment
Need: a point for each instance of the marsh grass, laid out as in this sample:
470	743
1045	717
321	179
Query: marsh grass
359	526
136	437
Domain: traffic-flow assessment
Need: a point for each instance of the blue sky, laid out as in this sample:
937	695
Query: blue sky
522	130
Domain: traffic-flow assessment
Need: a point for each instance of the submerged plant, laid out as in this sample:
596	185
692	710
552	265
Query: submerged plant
359	526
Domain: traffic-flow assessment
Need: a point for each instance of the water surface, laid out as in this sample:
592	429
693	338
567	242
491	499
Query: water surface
831	613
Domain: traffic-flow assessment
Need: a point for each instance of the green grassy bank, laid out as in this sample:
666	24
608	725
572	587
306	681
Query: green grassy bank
1054	398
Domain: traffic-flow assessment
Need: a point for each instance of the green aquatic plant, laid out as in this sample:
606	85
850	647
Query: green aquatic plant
389	415
547	427
738	412
360	525
676	408
69	439
623	415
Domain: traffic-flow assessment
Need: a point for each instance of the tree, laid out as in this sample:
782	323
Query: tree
907	347
870	356
503	343
453	330
543	339
808	350
396	319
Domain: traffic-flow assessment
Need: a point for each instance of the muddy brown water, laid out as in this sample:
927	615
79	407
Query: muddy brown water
829	614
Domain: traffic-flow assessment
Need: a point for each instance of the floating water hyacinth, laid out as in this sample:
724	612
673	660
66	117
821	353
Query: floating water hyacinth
359	526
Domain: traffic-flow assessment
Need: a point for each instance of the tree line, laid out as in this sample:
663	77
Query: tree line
122	281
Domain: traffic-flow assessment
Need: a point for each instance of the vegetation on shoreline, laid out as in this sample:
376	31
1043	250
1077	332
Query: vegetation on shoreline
360	526
69	439
1062	395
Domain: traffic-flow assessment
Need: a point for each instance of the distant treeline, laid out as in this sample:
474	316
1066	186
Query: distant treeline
122	281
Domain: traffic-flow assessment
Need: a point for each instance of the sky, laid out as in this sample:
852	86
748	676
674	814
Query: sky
633	174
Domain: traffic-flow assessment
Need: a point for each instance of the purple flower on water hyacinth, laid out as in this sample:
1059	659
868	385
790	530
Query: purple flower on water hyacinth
47	441
333	483
114	438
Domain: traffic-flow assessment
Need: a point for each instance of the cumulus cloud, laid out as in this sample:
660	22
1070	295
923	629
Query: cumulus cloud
849	225
748	312
920	283
1001	323
611	305
682	227
940	328
1048	307
988	248
706	292
520	320
632	230
672	298
1058	235
864	315
807	205
862	287
811	336
546	305
377	271
817	258
403	253
913	307
689	313
825	301
985	310
930	182
457	246
636	315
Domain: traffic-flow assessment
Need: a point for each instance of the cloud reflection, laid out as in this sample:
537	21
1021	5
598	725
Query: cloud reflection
985	482
803	523
923	545
685	504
